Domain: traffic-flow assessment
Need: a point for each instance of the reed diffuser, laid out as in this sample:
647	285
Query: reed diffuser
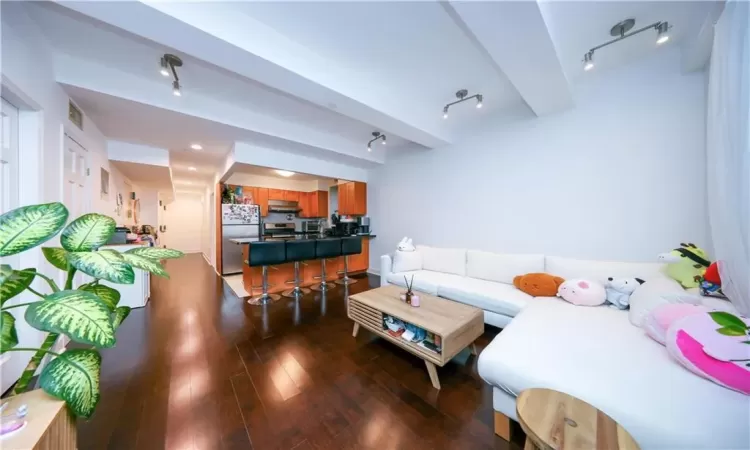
409	296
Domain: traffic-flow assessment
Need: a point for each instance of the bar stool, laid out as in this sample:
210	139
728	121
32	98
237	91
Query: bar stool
326	248
265	254
349	246
298	251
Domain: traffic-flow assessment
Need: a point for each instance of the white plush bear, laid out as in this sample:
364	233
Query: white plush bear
406	245
619	290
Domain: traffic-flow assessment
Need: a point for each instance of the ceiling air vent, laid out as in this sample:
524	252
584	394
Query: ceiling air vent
75	115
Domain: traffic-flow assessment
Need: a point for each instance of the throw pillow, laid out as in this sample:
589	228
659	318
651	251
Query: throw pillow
407	261
538	284
657	323
652	293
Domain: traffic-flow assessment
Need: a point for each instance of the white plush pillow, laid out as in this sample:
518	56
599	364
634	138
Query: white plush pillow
446	260
655	292
501	267
407	261
570	268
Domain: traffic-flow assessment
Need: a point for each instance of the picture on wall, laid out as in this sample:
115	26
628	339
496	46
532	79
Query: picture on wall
105	184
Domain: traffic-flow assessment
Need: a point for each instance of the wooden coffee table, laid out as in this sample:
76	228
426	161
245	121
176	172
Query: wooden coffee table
553	421
458	325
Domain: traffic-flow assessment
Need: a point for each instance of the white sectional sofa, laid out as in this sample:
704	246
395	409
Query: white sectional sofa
595	354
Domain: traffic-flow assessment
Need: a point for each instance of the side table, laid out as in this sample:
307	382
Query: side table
553	421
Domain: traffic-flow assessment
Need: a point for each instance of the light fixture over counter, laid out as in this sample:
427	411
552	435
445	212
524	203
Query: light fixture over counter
620	29
462	96
167	64
376	136
284	173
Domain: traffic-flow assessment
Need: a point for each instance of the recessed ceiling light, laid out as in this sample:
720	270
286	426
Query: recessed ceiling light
192	169
188	182
196	146
285	173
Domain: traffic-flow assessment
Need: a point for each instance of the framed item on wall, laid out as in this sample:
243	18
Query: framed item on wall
104	191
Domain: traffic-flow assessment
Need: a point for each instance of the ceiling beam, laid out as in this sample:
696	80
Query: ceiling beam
98	78
515	37
218	34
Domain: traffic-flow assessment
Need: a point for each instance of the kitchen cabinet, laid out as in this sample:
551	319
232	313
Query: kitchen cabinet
291	196
276	194
260	197
320	203
304	204
353	198
360	262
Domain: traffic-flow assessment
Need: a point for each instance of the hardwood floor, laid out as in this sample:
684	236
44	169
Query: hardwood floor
199	368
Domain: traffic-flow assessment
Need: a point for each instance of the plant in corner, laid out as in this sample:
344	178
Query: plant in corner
87	314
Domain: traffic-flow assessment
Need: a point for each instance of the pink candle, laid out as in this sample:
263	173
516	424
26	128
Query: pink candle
415	300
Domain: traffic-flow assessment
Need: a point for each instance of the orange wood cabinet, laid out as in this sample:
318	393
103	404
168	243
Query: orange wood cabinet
320	203
361	261
260	196
276	194
304	204
353	198
291	196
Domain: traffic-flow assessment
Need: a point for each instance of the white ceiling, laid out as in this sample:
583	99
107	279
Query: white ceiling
145	175
316	78
247	169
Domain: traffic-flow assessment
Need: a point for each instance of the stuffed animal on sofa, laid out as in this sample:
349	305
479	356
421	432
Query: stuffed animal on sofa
538	284
405	245
686	264
582	292
619	290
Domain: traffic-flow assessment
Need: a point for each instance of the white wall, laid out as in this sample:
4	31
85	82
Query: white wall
290	184
621	176
136	153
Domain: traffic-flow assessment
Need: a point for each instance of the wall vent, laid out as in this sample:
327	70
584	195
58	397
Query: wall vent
75	115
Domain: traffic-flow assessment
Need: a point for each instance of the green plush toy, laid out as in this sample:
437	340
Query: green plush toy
686	264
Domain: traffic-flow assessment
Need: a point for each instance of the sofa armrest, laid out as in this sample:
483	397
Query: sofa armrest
386	266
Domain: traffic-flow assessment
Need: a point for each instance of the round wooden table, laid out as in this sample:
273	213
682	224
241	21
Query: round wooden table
554	421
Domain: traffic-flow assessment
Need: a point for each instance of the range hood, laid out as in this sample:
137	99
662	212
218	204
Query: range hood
282	206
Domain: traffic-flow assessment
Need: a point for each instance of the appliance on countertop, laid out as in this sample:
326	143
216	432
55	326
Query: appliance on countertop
278	230
311	227
346	229
283	206
237	221
364	225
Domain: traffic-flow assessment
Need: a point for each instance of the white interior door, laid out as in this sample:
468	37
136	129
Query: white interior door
75	177
184	221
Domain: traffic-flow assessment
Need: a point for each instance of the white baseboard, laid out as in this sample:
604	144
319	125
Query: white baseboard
374	271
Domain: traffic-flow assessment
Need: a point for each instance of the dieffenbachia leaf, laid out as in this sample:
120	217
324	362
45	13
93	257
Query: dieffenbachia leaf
105	264
28	226
87	233
108	295
119	316
156	252
57	256
74	378
8	336
147	264
5	272
77	314
16	283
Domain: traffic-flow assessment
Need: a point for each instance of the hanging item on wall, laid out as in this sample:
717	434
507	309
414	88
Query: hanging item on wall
104	191
136	210
118	204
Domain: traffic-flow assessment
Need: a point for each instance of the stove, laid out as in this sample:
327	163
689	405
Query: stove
278	230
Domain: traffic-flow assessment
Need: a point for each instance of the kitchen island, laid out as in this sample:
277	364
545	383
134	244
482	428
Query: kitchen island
279	275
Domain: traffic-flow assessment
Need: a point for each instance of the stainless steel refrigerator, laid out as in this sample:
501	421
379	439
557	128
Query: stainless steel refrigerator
237	221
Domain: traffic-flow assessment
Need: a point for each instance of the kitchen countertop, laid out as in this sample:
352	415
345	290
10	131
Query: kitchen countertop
250	240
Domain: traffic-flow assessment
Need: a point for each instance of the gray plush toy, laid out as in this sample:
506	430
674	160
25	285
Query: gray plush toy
619	290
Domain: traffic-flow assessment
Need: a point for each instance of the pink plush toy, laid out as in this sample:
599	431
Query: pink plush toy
582	292
657	323
694	342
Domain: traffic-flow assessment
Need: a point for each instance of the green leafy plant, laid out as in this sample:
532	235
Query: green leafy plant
87	314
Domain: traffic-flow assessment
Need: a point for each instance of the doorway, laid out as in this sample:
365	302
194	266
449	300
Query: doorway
184	221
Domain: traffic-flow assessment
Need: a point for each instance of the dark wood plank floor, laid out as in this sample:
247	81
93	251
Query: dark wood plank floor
198	368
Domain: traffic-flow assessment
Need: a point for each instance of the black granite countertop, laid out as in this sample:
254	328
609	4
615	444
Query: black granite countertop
250	240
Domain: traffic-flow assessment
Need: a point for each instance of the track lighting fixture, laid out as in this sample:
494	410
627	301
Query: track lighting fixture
375	136
462	97
619	30
168	63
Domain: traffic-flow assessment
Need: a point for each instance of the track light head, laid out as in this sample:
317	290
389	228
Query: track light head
383	140
369	147
662	33
445	112
588	61
479	100
176	88
164	68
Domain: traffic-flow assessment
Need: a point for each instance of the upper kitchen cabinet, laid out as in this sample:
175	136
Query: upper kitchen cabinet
353	198
314	204
292	196
260	197
276	194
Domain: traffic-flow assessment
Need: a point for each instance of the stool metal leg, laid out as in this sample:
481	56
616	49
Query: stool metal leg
346	280
265	298
323	285
297	291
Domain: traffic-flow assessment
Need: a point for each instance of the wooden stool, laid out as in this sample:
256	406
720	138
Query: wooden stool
553	420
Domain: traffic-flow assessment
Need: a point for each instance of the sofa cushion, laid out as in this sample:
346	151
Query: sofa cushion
407	261
501	267
595	354
499	298
446	260
570	268
424	280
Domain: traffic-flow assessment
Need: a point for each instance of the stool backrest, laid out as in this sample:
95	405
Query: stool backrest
267	253
327	248
351	245
300	250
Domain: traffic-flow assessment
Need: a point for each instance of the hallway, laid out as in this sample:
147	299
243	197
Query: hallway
199	368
